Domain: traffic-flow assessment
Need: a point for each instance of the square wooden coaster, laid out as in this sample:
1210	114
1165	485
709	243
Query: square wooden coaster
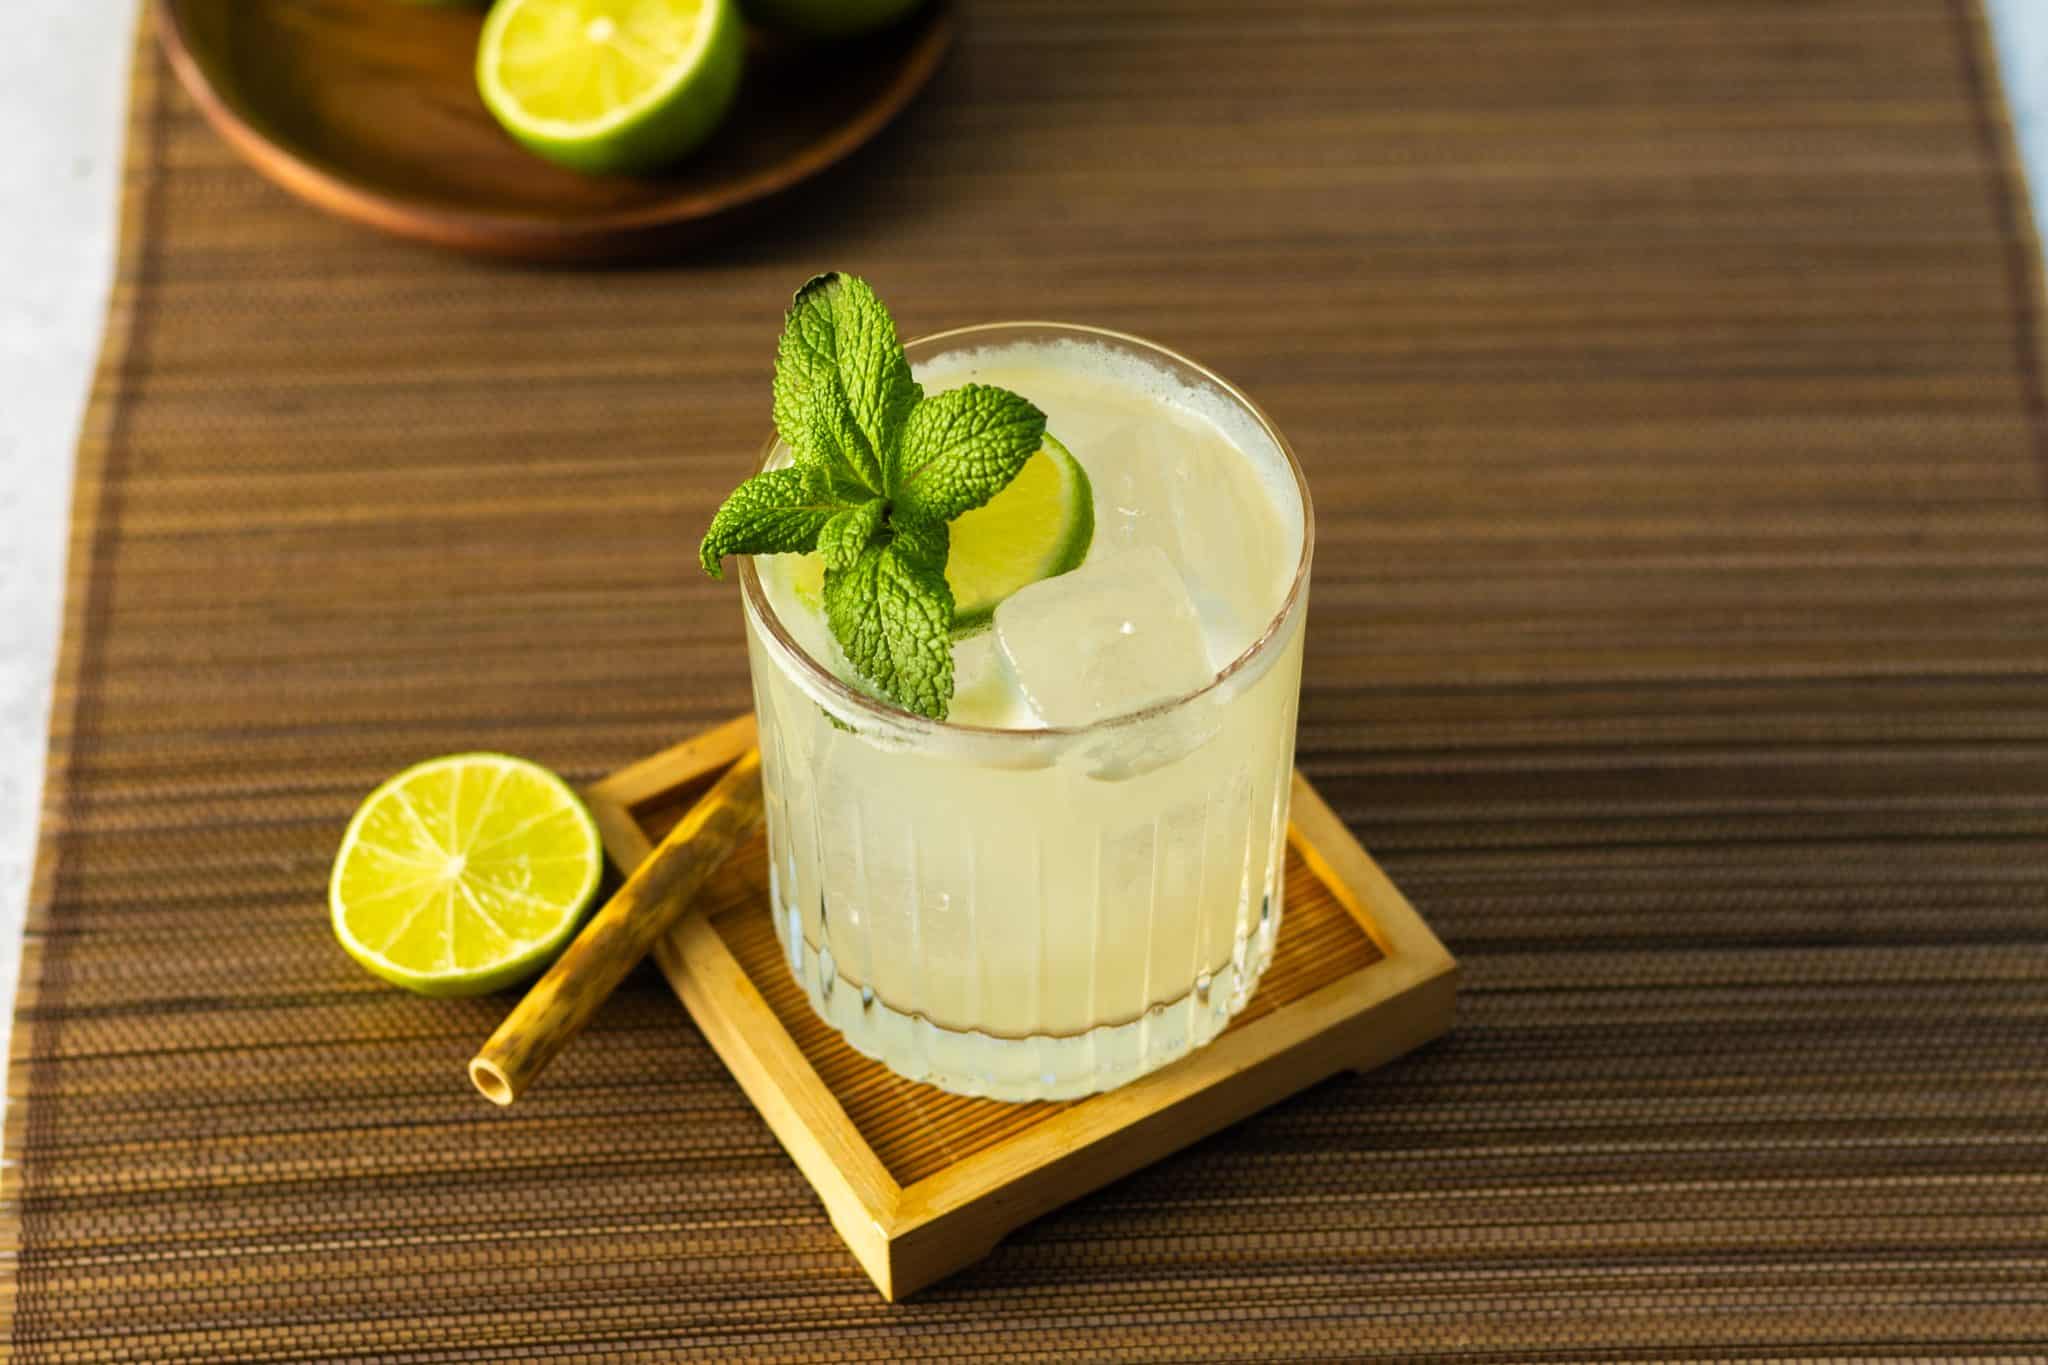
921	1183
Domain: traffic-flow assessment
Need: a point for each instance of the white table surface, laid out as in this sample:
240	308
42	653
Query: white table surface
62	80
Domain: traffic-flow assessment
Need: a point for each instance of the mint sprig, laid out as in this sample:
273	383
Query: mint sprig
879	470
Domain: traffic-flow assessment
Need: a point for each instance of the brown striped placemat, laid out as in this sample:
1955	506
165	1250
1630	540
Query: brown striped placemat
1668	375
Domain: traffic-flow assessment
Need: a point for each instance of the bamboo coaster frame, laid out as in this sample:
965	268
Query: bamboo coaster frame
920	1183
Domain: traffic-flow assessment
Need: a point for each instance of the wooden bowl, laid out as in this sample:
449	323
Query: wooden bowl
368	109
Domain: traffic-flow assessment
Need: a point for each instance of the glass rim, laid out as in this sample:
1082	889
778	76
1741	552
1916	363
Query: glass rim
818	675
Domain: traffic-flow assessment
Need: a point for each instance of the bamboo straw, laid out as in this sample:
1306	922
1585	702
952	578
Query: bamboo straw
619	935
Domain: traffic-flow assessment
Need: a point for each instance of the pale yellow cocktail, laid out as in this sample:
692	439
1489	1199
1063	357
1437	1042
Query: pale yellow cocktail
1076	877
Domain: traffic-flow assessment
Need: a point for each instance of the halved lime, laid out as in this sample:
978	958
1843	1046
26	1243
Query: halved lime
610	85
1039	526
464	874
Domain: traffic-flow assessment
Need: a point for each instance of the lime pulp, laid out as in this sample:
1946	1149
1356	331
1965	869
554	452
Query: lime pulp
610	85
463	875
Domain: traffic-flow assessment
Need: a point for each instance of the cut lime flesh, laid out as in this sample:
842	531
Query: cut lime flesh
464	874
610	85
1039	527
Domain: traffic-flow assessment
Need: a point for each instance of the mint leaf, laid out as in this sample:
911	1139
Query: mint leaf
827	440
847	534
894	618
961	448
873	371
839	358
926	543
777	512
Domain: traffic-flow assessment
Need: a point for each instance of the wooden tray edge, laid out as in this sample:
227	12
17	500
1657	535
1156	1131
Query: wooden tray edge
906	1238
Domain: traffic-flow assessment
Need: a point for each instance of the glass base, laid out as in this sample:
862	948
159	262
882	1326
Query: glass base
1033	1067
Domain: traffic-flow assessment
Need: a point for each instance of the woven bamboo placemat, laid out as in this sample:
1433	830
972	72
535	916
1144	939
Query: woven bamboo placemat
1668	375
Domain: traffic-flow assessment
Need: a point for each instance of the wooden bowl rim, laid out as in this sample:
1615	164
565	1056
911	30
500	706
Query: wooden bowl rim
525	235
